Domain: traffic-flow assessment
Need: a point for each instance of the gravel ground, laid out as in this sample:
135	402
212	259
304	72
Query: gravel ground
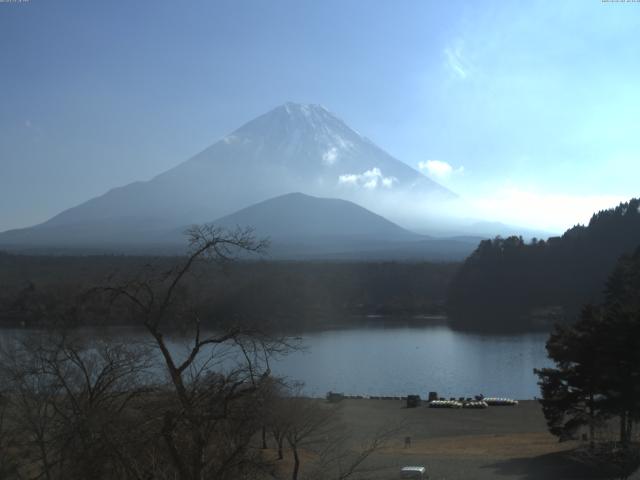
496	443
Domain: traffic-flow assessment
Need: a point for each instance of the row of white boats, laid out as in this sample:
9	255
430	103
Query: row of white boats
481	403
477	402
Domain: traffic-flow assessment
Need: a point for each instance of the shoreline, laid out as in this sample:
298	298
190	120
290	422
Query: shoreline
348	322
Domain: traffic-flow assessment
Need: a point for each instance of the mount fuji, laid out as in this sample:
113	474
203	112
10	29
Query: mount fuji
292	148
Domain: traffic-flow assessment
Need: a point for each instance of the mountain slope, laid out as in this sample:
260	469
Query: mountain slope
296	216
303	227
291	148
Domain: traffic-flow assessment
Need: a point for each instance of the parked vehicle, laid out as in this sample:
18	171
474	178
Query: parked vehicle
414	472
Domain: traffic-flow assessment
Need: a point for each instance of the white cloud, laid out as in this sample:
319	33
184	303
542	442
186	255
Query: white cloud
456	61
371	184
330	156
349	179
388	182
373	173
439	169
370	179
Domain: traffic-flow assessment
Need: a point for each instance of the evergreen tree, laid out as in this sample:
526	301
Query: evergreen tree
597	374
571	396
505	281
621	345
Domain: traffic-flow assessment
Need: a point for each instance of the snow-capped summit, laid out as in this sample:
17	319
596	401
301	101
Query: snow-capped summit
313	148
310	133
294	147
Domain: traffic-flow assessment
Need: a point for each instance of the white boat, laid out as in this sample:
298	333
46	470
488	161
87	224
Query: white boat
500	402
445	404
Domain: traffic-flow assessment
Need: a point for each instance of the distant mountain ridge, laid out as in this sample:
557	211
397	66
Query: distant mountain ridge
305	227
299	227
293	147
300	216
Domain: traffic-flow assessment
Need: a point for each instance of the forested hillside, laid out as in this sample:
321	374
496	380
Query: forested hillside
507	284
283	295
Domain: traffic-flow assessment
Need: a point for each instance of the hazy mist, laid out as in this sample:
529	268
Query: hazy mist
527	112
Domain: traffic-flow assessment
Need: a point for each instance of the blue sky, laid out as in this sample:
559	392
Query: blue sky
527	109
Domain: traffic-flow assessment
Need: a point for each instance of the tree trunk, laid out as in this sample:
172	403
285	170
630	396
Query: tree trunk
198	457
296	464
176	459
264	437
45	460
591	422
623	428
280	441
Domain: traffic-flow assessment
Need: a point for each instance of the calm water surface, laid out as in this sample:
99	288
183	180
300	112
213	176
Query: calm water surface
404	360
399	361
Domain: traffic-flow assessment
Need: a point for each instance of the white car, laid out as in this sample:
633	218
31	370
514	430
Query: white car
414	472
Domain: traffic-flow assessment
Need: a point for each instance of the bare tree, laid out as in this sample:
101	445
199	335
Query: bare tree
313	429
77	401
342	457
277	419
209	414
8	465
67	398
307	419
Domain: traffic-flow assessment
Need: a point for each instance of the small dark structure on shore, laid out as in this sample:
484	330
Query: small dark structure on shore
413	401
433	396
335	397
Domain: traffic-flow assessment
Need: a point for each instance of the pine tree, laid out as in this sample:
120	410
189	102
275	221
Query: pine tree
571	397
597	373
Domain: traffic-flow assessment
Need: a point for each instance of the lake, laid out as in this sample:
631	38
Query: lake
397	361
416	360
